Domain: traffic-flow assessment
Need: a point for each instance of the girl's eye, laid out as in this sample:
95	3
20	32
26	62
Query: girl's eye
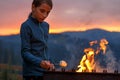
42	10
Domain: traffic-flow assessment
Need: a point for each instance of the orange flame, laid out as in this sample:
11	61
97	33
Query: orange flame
87	64
93	42
103	43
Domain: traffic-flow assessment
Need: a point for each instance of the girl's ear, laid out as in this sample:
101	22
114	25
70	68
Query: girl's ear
33	7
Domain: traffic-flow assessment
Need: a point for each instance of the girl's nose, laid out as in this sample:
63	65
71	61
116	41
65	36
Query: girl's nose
45	15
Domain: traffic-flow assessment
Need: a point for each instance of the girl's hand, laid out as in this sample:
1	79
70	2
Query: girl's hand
46	65
52	67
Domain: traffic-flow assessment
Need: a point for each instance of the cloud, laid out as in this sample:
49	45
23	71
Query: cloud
65	13
12	11
86	11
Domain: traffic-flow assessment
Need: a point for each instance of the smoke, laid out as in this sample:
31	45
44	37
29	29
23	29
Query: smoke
111	63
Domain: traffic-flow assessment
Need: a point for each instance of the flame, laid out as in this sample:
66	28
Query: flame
87	63
93	42
103	43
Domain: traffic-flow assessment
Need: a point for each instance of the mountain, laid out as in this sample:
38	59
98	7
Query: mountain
66	46
96	34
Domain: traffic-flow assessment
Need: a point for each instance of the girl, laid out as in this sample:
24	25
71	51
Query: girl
34	35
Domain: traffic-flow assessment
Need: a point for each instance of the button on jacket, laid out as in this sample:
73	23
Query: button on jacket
34	37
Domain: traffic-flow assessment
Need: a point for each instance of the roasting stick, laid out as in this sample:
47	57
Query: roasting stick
61	63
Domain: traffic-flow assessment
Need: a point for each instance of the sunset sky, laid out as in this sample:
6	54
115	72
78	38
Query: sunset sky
66	15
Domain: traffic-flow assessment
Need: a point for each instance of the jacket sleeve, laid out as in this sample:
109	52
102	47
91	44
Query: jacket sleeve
27	56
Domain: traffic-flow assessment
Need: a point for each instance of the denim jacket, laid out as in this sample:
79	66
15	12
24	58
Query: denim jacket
34	37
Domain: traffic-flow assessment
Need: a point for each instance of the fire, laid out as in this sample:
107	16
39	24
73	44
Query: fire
93	42
87	63
103	43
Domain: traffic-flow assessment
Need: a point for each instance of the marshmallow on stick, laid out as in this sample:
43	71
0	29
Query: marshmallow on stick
63	63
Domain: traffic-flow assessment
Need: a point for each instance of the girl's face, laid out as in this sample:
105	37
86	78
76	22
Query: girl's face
41	12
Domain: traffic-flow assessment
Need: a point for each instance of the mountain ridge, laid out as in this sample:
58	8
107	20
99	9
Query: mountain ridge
67	46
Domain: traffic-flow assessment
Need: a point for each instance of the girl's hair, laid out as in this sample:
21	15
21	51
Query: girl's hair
39	2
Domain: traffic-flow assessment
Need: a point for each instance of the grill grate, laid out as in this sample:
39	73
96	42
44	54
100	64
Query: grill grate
72	75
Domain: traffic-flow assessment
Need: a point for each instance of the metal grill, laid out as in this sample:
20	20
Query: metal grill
71	75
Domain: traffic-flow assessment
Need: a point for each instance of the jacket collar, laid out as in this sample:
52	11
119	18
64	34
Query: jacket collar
33	19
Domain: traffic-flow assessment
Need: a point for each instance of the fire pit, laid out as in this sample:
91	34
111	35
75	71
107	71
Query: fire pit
71	75
88	69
